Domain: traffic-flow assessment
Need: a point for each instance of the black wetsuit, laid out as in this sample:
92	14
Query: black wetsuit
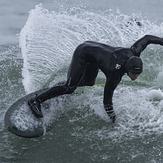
88	58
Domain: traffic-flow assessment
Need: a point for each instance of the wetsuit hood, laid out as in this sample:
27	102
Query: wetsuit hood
134	65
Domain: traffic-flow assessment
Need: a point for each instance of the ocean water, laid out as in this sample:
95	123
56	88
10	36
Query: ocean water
37	40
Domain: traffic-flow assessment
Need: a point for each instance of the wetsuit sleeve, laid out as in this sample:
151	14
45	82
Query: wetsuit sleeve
108	95
142	43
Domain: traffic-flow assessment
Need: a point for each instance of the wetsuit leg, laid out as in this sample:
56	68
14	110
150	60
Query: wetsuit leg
76	70
90	75
74	77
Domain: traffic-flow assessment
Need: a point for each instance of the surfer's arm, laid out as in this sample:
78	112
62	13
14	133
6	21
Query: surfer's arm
142	43
108	95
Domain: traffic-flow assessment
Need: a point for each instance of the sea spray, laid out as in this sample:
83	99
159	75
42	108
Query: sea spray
47	49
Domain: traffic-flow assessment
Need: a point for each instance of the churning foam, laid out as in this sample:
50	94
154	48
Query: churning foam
139	113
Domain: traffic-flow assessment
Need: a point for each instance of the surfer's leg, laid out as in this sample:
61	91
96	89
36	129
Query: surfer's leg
75	73
90	75
74	77
77	69
54	92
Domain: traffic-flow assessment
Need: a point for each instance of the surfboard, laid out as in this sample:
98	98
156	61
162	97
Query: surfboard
21	121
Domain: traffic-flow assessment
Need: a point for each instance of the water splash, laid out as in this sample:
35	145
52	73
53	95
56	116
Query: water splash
139	113
48	40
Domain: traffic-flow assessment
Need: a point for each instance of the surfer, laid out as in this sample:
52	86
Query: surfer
91	56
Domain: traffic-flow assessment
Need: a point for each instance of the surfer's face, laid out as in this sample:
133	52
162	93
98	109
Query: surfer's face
133	76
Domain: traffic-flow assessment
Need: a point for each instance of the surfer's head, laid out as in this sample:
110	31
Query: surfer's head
134	67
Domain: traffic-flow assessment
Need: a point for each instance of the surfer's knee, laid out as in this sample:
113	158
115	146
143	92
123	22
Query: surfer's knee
70	89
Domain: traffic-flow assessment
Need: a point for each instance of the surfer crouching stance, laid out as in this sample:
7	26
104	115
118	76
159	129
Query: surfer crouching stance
87	59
